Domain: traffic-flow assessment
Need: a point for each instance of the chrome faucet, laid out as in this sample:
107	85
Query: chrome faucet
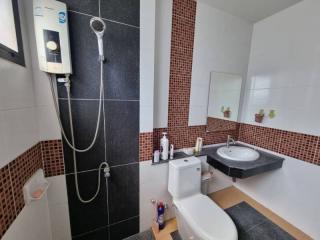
230	139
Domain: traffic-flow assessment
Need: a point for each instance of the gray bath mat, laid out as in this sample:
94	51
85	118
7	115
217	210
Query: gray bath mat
251	225
175	236
147	235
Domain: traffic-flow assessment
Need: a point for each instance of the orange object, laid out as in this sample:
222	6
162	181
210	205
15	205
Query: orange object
37	193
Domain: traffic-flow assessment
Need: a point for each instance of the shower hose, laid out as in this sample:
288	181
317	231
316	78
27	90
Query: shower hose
71	144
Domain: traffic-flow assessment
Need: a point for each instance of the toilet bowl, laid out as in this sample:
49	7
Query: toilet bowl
198	217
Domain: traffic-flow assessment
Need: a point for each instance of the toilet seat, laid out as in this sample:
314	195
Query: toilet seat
206	218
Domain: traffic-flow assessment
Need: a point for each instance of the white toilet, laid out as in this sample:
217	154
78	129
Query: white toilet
198	217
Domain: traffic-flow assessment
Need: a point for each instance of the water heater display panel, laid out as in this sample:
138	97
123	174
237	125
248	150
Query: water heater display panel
52	36
52	43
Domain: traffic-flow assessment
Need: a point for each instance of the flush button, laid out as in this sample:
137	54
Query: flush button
186	160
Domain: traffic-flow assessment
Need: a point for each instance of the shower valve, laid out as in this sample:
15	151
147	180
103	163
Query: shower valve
106	171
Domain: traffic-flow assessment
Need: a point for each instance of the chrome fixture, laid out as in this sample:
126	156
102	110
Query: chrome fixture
230	139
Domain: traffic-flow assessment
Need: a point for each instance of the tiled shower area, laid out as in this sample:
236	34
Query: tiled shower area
114	214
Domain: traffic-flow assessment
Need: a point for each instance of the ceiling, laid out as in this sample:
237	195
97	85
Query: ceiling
251	10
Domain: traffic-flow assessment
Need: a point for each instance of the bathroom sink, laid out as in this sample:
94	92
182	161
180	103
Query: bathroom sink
237	153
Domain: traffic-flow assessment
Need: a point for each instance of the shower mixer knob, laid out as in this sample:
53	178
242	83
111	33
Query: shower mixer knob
106	171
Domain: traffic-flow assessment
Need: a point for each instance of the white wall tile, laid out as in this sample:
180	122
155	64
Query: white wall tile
221	44
162	62
4	159
292	192
32	223
284	69
146	118
153	185
48	126
57	193
18	126
20	131
60	222
147	58
58	208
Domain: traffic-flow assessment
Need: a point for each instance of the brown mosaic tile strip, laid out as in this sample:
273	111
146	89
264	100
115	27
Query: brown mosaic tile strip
182	137
217	124
52	157
21	169
145	146
185	9
317	156
14	175
7	209
296	145
182	39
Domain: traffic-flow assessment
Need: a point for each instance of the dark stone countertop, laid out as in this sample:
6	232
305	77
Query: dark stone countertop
241	169
236	169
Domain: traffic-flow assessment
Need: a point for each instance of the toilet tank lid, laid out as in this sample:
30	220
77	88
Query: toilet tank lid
185	162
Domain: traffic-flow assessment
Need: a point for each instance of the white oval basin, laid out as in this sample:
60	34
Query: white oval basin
237	153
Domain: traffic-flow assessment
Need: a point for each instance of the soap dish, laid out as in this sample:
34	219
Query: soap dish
188	151
35	188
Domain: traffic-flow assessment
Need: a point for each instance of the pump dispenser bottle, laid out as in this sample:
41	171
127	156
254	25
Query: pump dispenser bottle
164	146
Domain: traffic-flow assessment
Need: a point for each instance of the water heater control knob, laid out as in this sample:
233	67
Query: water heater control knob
51	45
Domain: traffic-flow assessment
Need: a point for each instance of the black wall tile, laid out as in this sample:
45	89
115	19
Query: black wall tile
122	132
84	6
125	11
122	66
124	229
121	86
87	217
85	79
99	234
84	114
123	192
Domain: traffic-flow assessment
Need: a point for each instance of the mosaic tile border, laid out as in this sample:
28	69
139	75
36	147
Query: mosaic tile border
297	145
46	155
52	157
145	146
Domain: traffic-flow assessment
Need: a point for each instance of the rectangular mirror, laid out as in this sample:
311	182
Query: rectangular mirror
223	101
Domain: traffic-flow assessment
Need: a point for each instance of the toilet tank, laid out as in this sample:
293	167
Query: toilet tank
184	177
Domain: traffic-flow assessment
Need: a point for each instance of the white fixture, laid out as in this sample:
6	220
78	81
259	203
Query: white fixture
52	36
237	153
35	188
51	30
197	215
98	27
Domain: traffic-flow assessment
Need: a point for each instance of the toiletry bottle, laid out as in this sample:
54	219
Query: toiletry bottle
156	156
160	219
196	148
171	151
164	147
200	144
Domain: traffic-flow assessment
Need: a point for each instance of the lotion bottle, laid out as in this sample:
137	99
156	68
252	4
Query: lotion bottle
164	146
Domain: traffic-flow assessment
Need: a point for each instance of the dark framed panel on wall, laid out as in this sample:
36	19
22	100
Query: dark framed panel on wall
11	46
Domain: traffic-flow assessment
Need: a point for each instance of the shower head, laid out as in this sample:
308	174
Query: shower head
98	26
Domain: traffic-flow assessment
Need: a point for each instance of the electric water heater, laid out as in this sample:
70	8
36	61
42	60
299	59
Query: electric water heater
52	36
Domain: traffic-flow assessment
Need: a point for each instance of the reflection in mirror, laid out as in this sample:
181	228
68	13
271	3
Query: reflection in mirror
223	101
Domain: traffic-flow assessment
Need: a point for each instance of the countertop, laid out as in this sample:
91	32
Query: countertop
236	169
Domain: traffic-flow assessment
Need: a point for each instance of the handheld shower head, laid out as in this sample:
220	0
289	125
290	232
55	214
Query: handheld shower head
98	26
